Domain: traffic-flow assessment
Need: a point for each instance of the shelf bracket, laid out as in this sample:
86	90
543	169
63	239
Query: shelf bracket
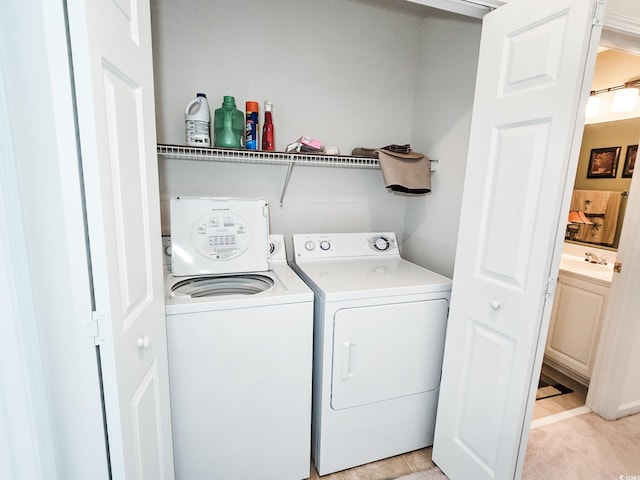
286	182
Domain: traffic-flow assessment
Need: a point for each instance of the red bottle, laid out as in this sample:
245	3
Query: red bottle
268	136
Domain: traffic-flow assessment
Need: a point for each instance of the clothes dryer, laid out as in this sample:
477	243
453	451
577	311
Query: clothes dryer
379	327
239	332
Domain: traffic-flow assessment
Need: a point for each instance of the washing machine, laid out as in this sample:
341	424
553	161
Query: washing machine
379	329
239	333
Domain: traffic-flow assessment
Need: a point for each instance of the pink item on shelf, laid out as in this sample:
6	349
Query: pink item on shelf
310	143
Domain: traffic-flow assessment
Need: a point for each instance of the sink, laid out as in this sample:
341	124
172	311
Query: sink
578	265
575	262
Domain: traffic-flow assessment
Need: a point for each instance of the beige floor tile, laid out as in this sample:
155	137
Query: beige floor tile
416	461
561	403
388	468
356	473
432	474
419	460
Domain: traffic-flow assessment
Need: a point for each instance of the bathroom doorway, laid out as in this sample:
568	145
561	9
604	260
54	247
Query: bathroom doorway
613	67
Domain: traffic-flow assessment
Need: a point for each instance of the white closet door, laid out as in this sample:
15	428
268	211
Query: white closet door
530	89
113	71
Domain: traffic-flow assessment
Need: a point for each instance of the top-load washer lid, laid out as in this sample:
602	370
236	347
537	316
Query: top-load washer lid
212	235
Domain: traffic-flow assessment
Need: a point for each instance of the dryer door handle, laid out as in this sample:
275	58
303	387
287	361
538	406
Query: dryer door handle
347	353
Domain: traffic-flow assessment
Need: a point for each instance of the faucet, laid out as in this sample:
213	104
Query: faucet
593	258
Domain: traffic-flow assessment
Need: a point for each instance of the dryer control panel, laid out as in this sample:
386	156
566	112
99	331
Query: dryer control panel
345	245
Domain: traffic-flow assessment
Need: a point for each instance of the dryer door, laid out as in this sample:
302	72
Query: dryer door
383	352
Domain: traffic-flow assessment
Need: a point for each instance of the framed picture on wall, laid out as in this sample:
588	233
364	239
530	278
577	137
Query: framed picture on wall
630	161
603	162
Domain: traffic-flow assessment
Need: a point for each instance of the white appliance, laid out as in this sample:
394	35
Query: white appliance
240	346
379	327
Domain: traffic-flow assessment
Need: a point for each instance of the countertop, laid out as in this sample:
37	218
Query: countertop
573	263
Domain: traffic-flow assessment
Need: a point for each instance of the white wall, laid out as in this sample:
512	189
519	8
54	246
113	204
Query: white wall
341	71
25	447
613	68
347	72
53	281
441	126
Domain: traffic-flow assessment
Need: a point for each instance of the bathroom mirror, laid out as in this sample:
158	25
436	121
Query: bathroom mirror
607	155
604	198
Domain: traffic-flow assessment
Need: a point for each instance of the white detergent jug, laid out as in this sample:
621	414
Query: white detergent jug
197	121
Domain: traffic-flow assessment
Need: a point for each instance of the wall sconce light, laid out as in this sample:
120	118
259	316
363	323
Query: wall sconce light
593	105
624	98
574	221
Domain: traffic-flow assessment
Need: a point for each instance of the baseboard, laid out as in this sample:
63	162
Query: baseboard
581	379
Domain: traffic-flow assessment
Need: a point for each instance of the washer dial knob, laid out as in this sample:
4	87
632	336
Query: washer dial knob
381	244
325	245
310	245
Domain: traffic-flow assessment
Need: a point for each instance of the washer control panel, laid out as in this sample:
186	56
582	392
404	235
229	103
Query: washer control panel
215	235
337	245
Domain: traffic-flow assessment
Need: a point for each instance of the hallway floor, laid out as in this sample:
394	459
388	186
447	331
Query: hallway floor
580	446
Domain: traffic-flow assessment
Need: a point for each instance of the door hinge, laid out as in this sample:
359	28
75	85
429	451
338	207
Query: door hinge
617	267
551	287
598	13
95	326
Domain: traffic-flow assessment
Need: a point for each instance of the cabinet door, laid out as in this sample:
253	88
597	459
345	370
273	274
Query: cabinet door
576	322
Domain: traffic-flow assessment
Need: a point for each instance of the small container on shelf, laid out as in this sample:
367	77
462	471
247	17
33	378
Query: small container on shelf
197	122
251	126
228	125
268	133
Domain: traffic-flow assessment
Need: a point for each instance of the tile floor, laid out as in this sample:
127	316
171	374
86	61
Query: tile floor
553	405
417	461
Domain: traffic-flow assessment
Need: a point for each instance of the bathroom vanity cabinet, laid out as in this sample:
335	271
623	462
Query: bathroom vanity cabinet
576	321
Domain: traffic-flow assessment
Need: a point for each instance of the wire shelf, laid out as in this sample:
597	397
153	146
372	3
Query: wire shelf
181	152
256	156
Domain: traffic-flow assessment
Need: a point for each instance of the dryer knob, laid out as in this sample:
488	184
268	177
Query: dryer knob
309	245
382	244
325	245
